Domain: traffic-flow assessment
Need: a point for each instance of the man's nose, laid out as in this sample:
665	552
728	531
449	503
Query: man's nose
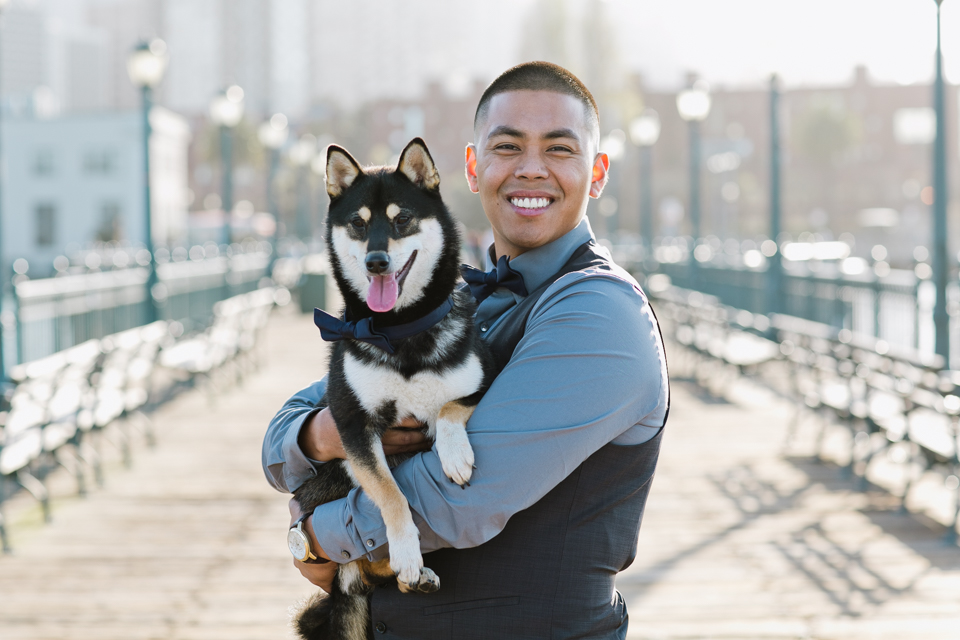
531	166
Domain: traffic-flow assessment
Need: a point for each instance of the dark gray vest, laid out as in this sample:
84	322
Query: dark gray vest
550	572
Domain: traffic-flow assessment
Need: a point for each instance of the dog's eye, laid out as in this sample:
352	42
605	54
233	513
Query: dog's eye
402	219
358	223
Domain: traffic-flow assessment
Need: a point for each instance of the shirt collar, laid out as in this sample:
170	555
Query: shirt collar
537	265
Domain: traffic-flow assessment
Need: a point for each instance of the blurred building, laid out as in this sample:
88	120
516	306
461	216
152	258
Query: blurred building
24	53
79	179
856	159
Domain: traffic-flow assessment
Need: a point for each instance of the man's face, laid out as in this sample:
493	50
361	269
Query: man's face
534	164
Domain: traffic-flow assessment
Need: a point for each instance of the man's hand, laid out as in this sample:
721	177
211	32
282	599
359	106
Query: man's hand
322	575
320	439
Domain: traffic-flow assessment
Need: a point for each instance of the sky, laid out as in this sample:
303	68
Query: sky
740	42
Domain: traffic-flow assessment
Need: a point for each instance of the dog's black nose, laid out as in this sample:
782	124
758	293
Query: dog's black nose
378	262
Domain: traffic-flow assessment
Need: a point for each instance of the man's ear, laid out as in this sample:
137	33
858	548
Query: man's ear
601	168
416	163
342	170
470	168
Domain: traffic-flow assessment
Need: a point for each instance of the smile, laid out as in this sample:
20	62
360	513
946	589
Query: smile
531	203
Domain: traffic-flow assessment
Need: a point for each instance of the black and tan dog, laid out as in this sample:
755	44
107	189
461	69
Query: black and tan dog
405	346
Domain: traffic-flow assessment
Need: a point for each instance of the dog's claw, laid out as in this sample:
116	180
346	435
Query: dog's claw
429	582
474	466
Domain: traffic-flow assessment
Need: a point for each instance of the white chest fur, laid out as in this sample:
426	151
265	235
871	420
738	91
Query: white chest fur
421	396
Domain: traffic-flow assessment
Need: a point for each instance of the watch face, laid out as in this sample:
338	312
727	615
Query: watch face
297	543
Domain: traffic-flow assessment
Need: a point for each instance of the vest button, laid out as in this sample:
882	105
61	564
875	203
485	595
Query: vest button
381	628
484	326
345	554
370	543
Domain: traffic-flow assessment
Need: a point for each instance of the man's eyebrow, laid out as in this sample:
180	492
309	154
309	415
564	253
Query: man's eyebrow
504	130
561	133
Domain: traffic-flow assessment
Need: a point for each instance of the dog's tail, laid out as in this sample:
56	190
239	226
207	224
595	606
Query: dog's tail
334	616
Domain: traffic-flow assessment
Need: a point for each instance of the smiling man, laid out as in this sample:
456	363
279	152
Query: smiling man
566	440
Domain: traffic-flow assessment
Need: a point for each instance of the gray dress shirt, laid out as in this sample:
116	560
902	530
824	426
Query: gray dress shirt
590	370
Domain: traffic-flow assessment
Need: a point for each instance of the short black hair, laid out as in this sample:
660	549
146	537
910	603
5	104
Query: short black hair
539	76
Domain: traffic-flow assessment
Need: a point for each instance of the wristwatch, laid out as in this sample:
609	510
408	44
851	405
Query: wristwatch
299	543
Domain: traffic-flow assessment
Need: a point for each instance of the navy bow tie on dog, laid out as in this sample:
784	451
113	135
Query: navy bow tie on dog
484	283
333	329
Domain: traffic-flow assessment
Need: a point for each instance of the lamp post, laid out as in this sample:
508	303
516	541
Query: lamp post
145	66
301	155
226	110
694	106
272	134
774	269
941	320
644	132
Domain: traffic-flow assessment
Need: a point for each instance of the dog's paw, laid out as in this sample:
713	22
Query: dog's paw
455	452
405	559
429	581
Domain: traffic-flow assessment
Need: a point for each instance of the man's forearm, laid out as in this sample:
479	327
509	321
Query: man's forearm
319	439
285	464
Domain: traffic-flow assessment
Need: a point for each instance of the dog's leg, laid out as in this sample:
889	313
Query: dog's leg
453	446
370	469
376	573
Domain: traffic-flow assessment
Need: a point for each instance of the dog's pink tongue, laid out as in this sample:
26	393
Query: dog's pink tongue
382	294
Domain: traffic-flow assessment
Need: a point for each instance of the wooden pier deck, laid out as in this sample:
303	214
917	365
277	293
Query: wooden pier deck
739	540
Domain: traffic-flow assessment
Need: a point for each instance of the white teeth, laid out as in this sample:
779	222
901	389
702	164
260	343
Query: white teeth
530	203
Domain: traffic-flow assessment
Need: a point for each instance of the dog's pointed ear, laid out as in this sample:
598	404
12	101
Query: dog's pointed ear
416	163
342	170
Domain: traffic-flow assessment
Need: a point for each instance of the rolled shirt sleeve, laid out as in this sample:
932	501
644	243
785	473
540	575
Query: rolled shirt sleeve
590	370
284	463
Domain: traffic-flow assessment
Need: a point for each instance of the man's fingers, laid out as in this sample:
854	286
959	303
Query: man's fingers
403	438
411	439
395	450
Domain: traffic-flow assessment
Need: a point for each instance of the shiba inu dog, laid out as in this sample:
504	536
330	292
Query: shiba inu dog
405	346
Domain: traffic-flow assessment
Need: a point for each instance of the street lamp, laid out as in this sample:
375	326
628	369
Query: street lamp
694	106
941	269
226	110
644	132
145	66
301	155
272	134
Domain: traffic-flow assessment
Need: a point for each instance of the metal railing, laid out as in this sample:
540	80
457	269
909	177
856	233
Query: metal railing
53	314
894	305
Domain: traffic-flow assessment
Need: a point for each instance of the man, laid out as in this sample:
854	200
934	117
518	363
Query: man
566	439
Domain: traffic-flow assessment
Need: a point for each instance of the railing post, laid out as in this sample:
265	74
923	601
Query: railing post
876	306
774	264
941	318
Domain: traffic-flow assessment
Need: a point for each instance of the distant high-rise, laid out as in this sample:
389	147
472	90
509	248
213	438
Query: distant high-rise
23	52
123	23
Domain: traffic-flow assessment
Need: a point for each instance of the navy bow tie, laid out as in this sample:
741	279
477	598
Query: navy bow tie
483	283
333	329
